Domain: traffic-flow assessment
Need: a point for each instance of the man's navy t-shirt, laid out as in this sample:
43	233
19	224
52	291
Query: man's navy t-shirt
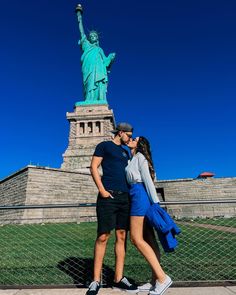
114	161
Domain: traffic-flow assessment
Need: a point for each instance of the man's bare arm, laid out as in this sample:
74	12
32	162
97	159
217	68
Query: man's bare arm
95	164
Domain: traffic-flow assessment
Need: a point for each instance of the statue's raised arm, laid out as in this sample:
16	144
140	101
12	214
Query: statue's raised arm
79	11
95	65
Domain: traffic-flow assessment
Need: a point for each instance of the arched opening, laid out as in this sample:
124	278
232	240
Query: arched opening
98	127
81	128
90	127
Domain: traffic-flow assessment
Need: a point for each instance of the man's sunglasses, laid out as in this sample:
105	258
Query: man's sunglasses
129	135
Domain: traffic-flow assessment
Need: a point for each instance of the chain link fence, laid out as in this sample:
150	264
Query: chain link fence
59	251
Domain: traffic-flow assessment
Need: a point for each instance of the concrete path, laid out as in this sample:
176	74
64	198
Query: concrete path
107	291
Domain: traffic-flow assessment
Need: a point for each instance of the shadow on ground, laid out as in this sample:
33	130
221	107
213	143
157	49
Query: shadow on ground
81	271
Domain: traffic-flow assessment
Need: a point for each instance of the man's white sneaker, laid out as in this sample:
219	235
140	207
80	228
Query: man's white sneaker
159	289
145	288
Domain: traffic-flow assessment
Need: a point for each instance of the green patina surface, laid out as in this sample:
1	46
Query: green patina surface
87	102
95	66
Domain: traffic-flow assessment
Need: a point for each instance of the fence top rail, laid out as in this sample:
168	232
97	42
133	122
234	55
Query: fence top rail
87	205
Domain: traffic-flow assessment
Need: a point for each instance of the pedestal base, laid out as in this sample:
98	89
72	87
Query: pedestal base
89	125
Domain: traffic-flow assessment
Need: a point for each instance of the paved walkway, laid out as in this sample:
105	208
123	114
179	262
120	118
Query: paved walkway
107	291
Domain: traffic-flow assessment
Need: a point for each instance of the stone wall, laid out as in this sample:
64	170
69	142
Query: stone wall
200	189
13	192
39	185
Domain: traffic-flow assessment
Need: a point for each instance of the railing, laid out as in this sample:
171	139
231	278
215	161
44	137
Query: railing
52	245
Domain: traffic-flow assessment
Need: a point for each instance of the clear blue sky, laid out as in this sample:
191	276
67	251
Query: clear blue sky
174	79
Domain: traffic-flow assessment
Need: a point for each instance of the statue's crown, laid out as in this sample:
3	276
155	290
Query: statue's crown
93	32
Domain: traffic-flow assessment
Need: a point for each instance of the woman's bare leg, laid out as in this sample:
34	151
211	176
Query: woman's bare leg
149	237
136	235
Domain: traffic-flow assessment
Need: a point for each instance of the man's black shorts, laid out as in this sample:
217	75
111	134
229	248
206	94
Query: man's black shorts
113	213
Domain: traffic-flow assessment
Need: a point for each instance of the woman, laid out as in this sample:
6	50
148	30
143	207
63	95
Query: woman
140	175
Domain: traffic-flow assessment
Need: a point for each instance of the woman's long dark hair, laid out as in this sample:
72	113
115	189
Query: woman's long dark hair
143	146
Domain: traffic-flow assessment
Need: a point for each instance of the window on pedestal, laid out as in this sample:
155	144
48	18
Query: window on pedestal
90	127
98	127
81	128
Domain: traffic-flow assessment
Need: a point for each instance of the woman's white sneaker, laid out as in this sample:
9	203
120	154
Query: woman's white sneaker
145	288
159	289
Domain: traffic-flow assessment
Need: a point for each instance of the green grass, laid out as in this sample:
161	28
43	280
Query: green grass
62	254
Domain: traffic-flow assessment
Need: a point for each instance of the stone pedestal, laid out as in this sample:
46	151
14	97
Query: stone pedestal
89	125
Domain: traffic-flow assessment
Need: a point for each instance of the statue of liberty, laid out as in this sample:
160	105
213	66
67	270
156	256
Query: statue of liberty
95	65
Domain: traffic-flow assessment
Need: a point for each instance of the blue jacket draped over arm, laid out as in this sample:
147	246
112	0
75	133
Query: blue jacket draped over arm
164	225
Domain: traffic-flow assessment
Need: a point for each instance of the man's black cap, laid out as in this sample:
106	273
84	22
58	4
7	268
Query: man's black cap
126	127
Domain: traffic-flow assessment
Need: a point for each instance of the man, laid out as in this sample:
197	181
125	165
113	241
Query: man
112	205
